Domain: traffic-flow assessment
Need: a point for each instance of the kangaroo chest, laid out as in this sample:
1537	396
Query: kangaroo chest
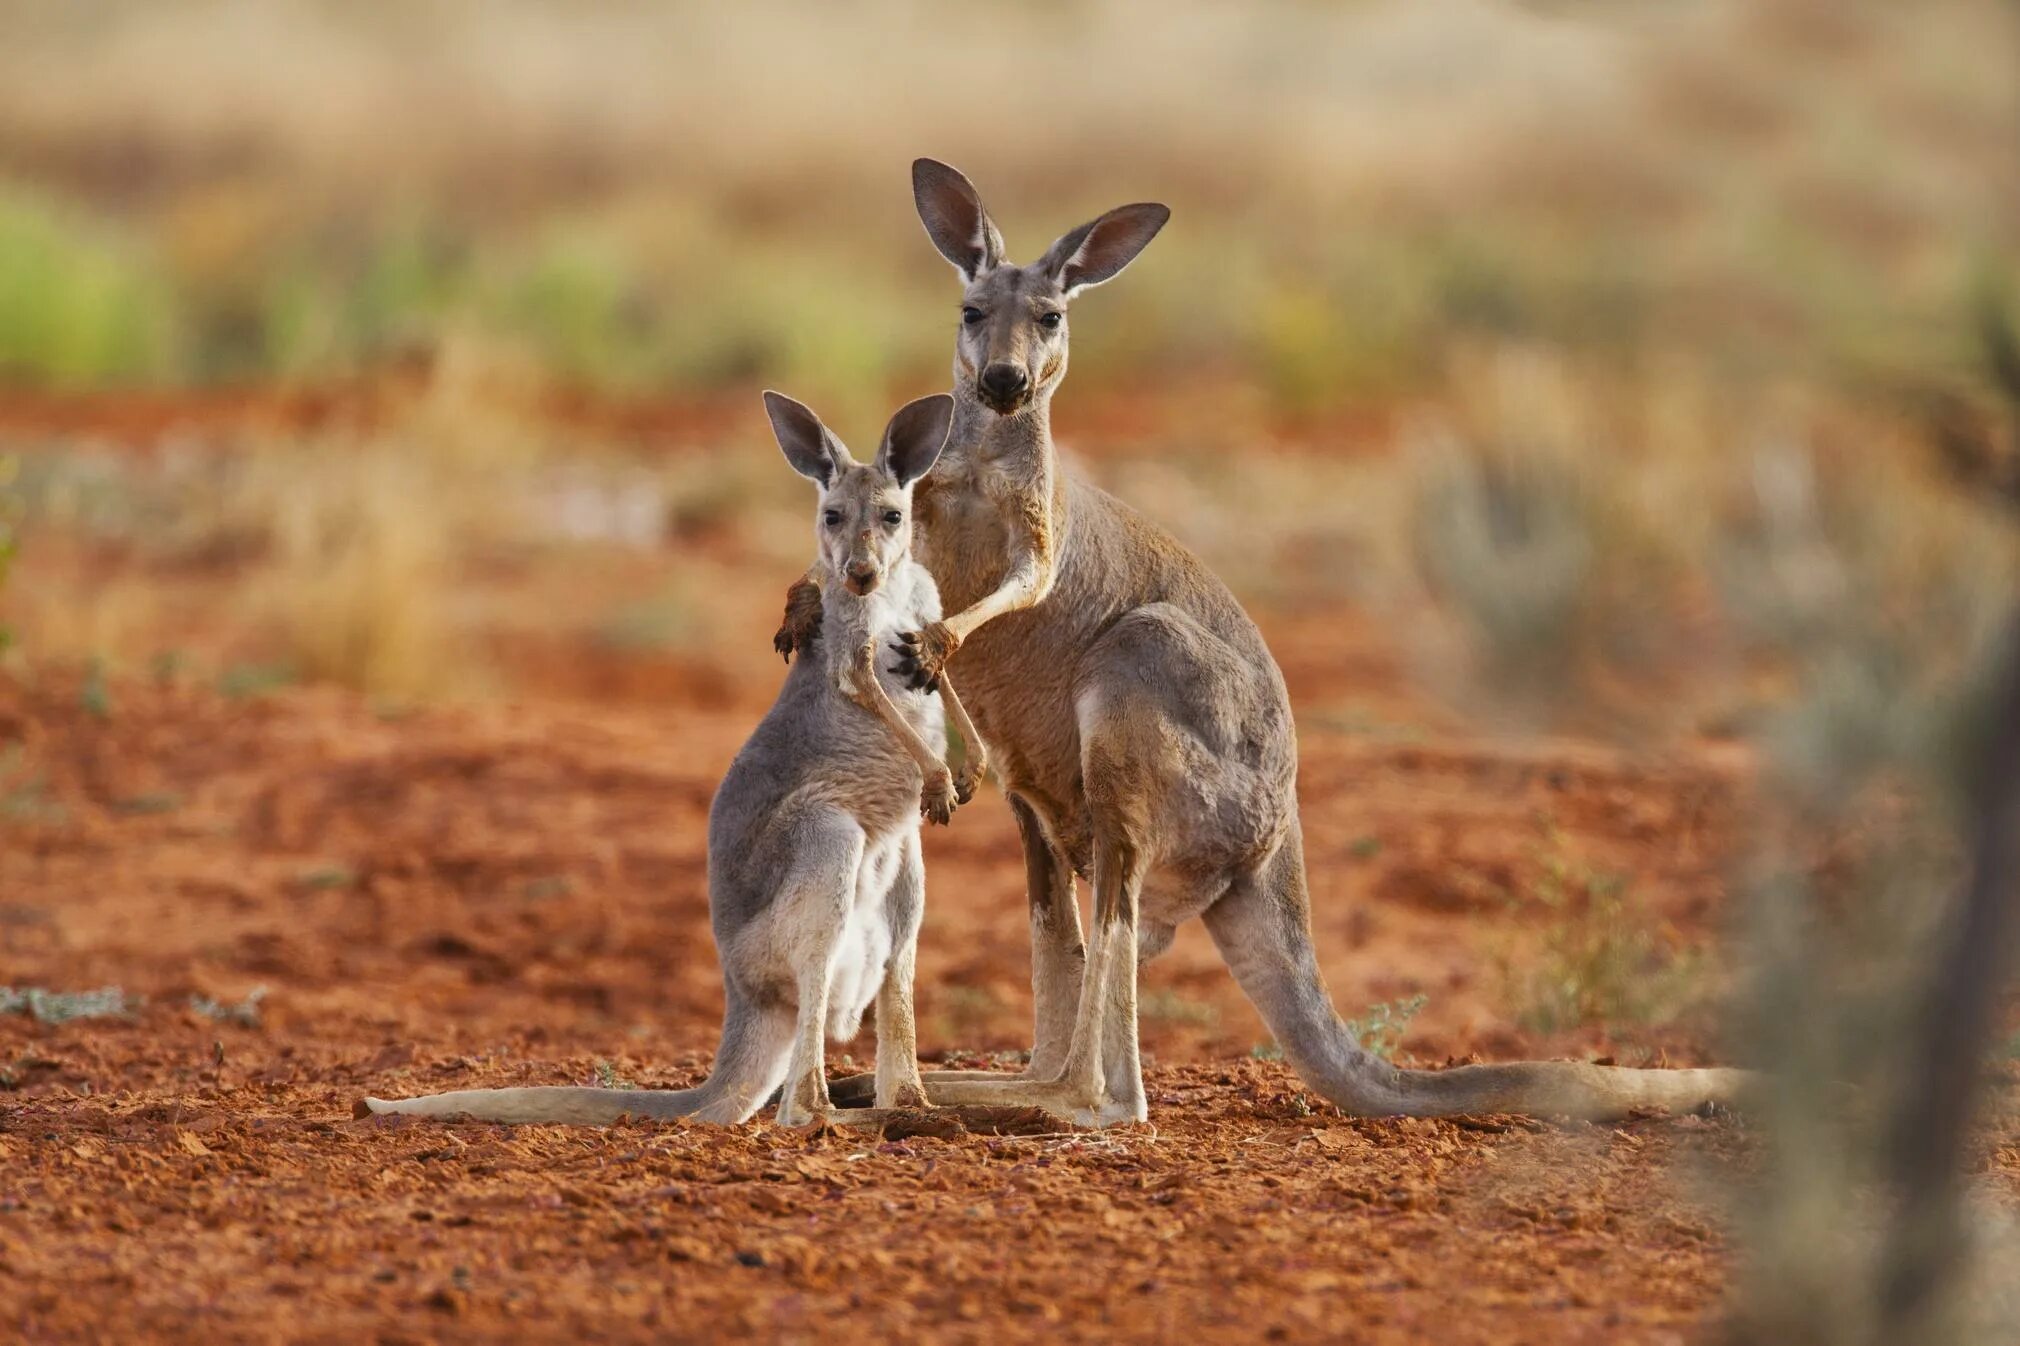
964	535
907	602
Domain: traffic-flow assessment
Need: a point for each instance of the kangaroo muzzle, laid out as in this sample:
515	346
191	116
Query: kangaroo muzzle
1003	387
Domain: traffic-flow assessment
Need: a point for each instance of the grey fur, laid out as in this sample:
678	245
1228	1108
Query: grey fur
816	886
1141	728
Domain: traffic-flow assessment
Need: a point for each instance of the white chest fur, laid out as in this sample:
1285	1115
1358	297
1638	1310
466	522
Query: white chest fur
907	600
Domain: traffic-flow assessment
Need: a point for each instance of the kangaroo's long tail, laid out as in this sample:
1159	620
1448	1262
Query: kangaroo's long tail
749	1065
1263	929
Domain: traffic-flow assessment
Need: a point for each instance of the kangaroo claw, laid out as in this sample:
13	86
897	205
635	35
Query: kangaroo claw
937	800
801	624
927	653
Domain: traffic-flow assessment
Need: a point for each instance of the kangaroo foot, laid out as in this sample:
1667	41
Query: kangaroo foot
947	1123
860	1091
1072	1105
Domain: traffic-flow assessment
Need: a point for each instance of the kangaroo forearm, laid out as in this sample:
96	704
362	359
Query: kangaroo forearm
978	753
1026	587
869	693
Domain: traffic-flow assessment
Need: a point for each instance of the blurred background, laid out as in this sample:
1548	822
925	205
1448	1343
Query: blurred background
393	295
1608	411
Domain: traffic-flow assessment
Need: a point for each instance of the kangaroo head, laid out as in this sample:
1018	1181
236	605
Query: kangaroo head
864	523
1012	342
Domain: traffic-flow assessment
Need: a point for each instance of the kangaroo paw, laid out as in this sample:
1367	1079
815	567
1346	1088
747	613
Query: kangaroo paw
801	624
923	655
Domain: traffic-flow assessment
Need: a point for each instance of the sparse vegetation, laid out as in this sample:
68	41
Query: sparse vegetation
57	1007
1646	373
1646	214
608	1077
245	1013
1381	1027
1602	958
24	793
1168	1006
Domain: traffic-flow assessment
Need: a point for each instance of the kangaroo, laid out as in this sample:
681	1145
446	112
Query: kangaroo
1139	726
816	885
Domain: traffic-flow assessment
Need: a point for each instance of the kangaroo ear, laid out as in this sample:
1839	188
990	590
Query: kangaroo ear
1099	249
915	436
952	211
809	446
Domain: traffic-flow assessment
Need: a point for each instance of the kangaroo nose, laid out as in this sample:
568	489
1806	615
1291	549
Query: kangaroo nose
1005	382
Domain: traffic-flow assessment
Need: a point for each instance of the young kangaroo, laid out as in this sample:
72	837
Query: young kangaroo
816	887
1139	726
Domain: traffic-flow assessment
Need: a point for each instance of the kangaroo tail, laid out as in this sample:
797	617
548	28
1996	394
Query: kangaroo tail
1262	927
749	1065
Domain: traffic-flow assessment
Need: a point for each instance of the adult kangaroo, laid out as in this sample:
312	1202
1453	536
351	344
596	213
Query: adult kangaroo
1139	726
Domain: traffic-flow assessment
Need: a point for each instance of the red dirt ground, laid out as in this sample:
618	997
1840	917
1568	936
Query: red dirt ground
512	892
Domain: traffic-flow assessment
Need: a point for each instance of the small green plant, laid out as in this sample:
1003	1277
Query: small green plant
1381	1029
10	544
24	796
326	877
56	1007
96	695
134	806
245	1013
1603	959
246	681
1168	1006
1266	1051
166	666
668	620
608	1078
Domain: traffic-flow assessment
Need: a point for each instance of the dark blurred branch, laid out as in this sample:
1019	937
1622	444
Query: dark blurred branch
1966	432
1946	1067
2002	345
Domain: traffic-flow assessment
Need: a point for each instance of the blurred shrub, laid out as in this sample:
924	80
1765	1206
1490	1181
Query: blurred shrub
1603	959
79	305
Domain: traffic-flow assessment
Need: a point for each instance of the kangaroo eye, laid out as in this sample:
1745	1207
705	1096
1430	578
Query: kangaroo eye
893	517
971	315
1051	320
833	518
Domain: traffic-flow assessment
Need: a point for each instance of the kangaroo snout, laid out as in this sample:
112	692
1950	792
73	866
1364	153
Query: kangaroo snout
1004	386
860	578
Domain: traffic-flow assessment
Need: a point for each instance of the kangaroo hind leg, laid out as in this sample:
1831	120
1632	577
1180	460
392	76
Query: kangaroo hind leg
806	923
898	1082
